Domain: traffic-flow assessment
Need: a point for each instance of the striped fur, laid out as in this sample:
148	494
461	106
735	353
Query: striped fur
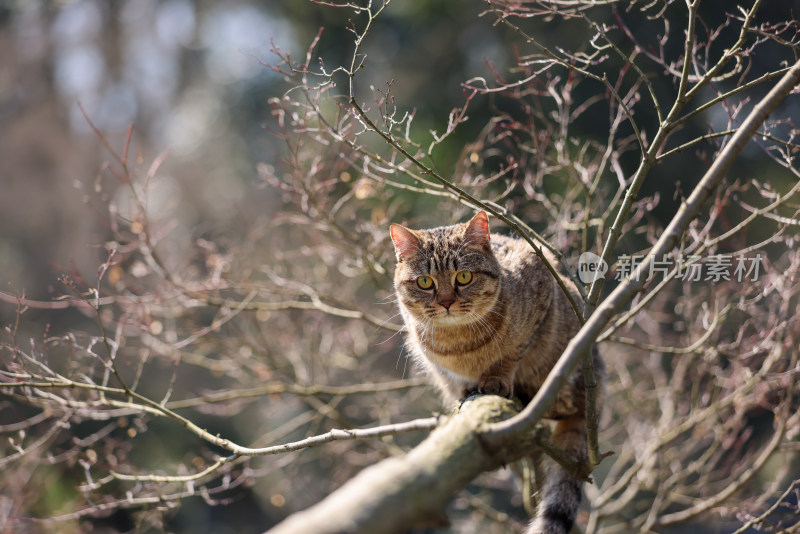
501	333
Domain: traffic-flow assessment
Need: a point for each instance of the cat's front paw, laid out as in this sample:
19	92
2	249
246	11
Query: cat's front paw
496	385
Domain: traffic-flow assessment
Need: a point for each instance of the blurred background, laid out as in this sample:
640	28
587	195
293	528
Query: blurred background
220	188
192	77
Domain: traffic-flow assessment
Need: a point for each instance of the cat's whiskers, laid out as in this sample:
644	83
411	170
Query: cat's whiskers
481	322
388	299
422	332
404	329
473	327
403	350
428	331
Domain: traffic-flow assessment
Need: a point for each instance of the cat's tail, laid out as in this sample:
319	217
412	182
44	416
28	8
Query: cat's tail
560	492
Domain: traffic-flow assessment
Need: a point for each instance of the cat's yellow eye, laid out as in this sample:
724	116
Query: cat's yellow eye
425	282
463	277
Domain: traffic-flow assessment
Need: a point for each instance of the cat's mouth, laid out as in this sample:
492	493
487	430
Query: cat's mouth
449	316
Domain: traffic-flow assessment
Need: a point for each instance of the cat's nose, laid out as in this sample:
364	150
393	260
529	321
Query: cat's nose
446	302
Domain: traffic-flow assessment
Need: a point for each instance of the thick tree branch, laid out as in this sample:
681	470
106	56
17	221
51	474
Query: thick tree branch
399	493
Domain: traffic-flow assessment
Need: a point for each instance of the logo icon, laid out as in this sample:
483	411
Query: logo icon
591	267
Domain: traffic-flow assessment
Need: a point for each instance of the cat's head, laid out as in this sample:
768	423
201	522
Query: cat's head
448	273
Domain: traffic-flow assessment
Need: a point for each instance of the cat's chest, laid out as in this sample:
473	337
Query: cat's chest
465	351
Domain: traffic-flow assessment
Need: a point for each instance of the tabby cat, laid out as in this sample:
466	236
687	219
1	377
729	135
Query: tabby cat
483	314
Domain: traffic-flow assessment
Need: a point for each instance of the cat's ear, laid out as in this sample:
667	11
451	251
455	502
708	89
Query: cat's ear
405	242
477	232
